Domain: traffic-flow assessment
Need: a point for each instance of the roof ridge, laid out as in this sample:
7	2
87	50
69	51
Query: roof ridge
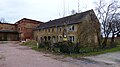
71	15
72	19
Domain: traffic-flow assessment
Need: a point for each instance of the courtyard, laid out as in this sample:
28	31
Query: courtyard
14	55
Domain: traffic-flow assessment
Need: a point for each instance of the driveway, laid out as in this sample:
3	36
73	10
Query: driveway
14	55
109	58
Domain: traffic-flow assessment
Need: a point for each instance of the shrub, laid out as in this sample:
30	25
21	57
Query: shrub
65	47
61	47
30	43
46	45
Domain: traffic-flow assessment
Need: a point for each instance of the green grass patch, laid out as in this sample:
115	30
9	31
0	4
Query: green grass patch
29	43
101	51
85	51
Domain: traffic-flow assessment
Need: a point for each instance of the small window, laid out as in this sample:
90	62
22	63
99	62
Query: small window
60	38
71	38
52	29
48	30
71	28
49	37
1	28
45	30
60	29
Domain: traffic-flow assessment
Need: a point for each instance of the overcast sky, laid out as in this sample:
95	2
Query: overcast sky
41	10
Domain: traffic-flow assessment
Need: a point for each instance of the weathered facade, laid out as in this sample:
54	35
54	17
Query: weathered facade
20	31
82	28
8	32
25	28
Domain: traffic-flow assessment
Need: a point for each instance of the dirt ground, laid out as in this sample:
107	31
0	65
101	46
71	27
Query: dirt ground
14	55
109	58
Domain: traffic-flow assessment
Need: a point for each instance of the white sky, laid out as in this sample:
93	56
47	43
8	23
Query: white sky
41	10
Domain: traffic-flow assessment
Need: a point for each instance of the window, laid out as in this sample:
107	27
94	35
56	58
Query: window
45	30
18	28
60	29
48	30
71	28
39	30
52	29
12	28
71	38
49	37
1	28
60	38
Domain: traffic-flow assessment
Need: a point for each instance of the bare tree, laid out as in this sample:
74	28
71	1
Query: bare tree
104	12
115	28
2	20
73	11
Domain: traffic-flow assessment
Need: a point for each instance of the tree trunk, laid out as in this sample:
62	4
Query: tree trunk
112	43
104	44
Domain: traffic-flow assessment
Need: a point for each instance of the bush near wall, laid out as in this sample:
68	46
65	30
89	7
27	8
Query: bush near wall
69	48
61	47
30	43
66	47
117	40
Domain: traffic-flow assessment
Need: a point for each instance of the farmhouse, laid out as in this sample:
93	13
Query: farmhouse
81	28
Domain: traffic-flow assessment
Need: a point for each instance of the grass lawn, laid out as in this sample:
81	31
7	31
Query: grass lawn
102	51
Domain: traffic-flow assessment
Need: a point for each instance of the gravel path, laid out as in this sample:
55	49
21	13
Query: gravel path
109	58
14	55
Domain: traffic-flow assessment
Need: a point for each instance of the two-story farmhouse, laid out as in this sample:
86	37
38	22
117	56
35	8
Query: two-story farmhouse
81	28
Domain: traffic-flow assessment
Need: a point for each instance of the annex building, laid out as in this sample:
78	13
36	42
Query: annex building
20	31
